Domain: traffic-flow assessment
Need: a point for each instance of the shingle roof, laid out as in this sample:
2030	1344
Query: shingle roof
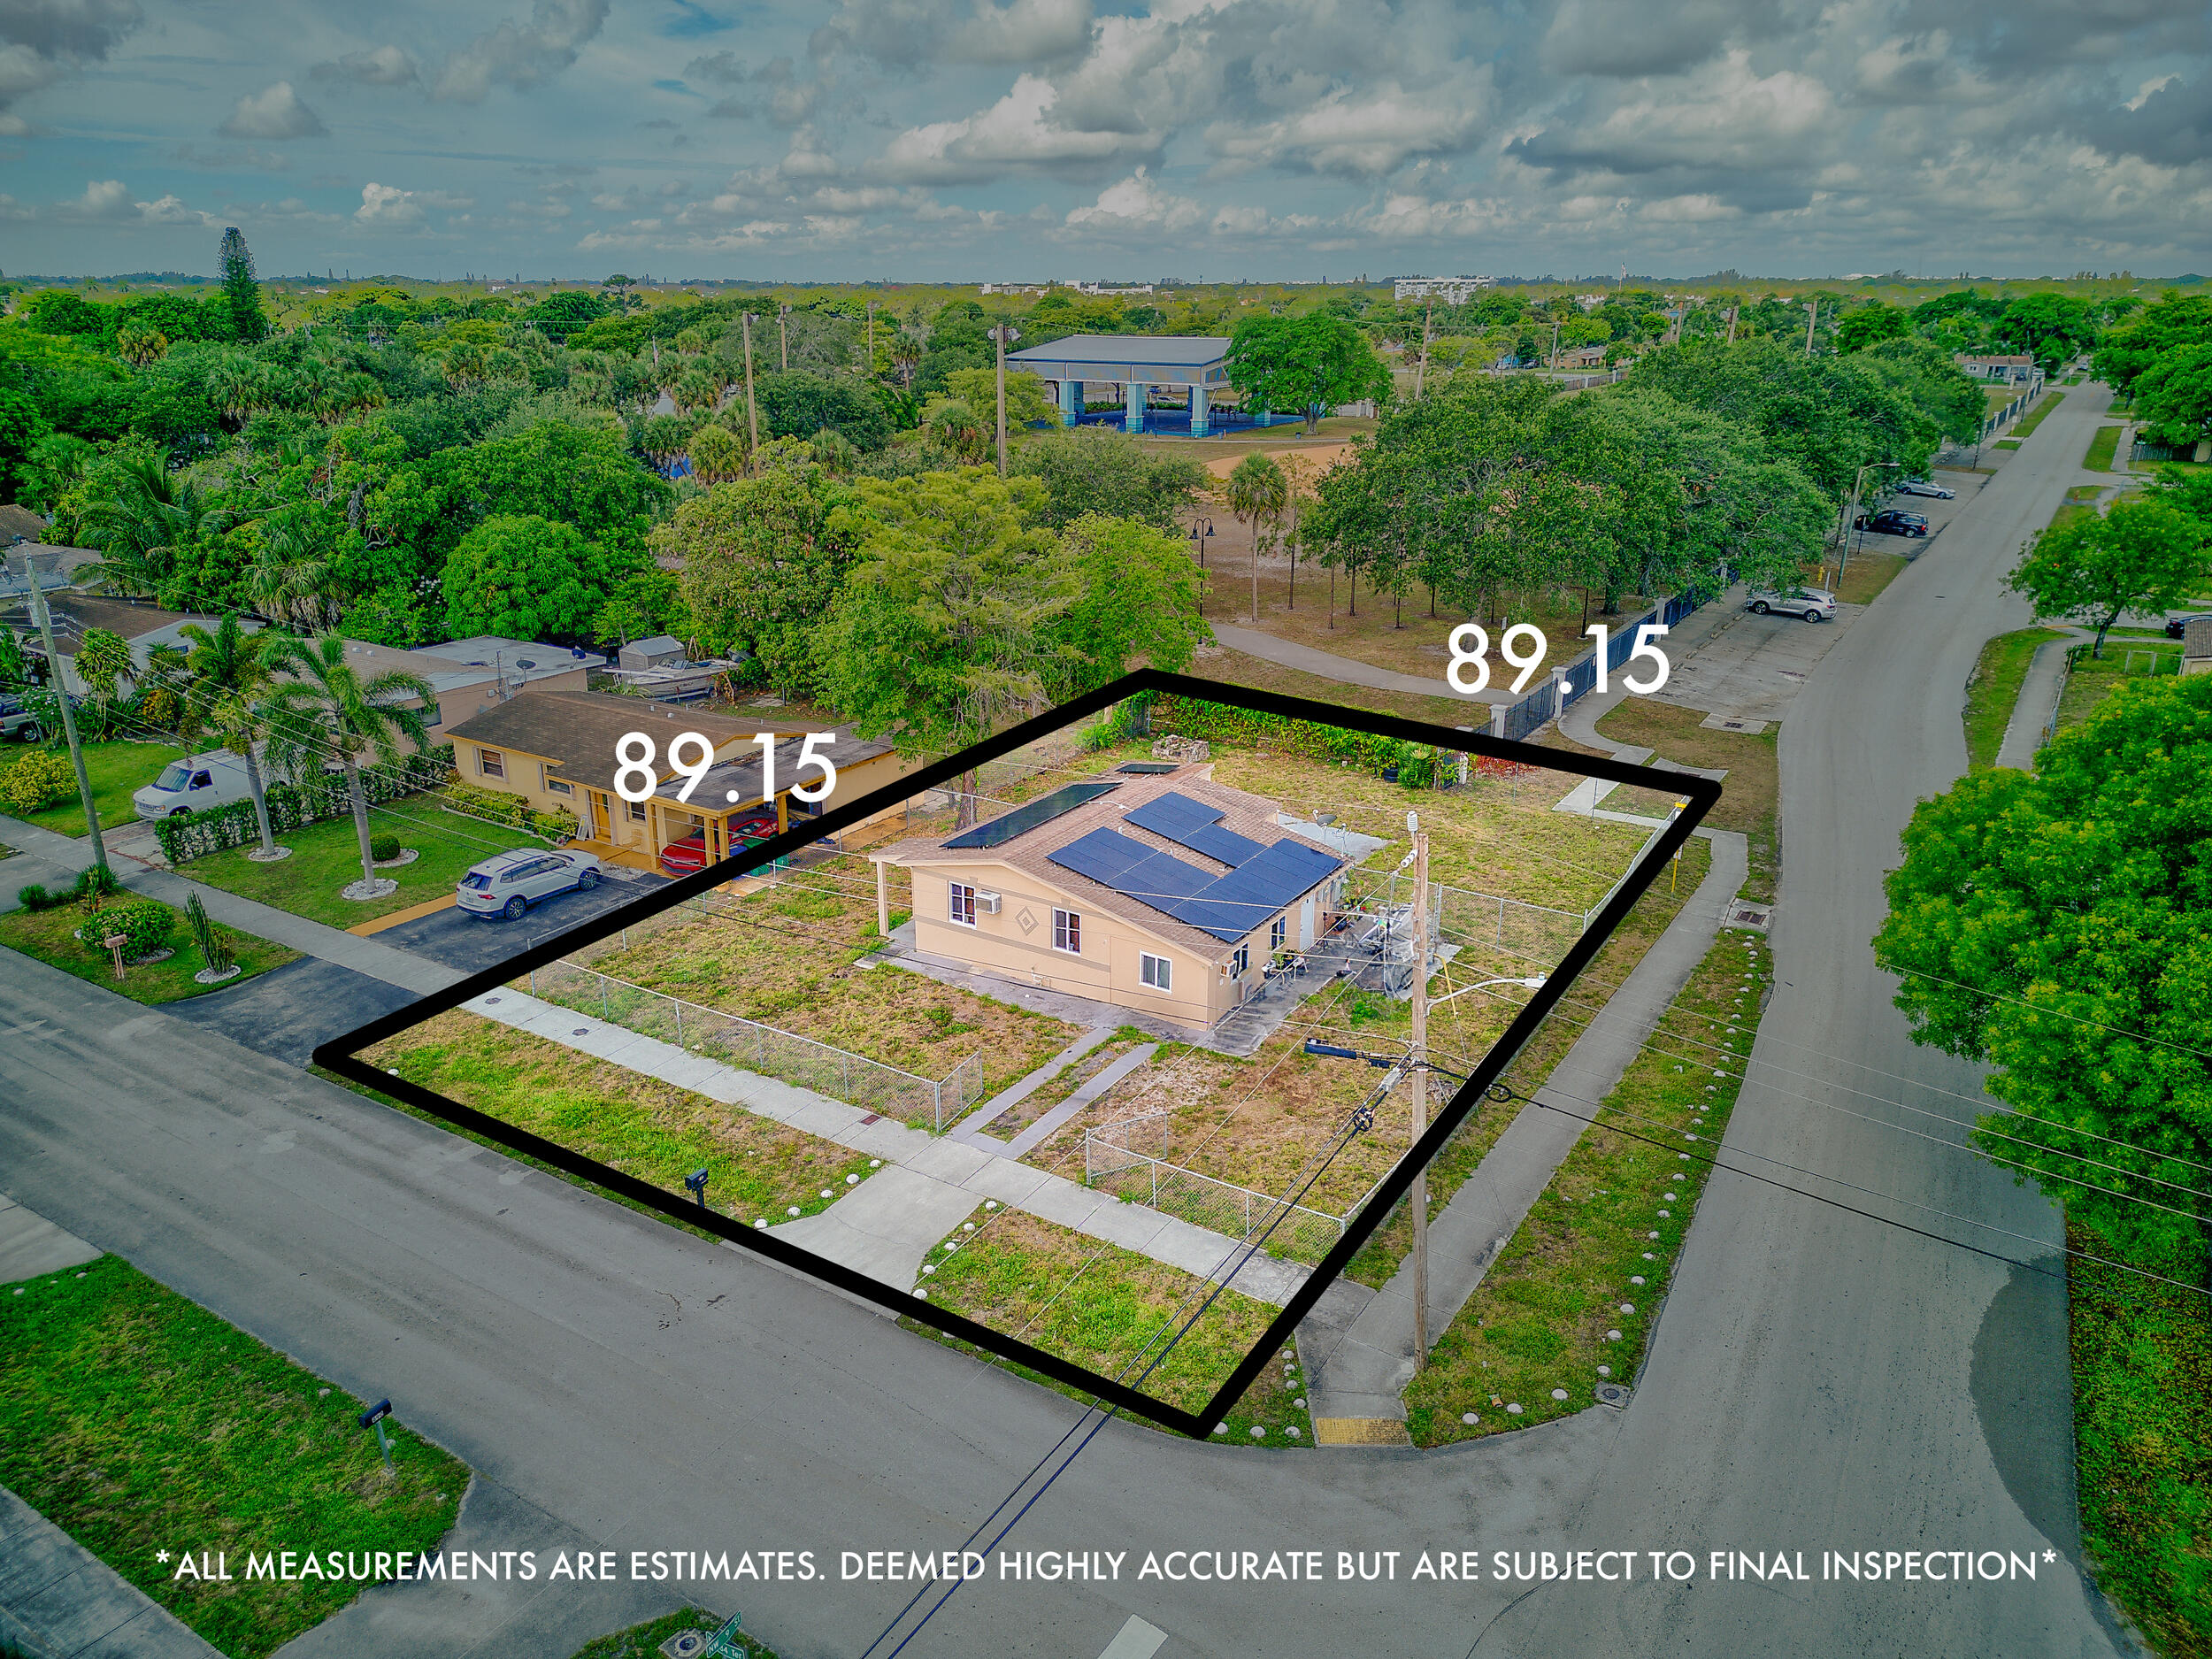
1251	816
577	731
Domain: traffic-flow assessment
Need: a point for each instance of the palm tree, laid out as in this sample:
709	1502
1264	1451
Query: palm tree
1257	490
293	580
153	516
229	673
321	705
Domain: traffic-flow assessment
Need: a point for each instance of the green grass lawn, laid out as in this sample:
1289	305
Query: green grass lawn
50	935
2142	1366
1994	689
137	1421
117	771
2033	418
2007	444
1099	1306
326	857
1595	1252
757	1168
2102	448
2090	681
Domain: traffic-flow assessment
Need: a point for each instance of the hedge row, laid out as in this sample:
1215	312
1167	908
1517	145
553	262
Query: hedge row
196	835
1220	722
500	806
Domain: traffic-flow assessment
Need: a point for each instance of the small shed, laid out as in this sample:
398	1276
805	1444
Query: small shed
2196	646
657	652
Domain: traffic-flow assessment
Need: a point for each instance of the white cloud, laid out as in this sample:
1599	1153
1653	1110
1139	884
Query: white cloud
42	42
1017	133
275	111
521	55
109	202
1373	130
385	207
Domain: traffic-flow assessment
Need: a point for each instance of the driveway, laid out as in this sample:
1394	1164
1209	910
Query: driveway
1751	667
461	941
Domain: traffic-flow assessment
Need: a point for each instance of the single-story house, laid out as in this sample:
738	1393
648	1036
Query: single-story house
555	746
144	626
2013	369
468	677
1158	890
2196	646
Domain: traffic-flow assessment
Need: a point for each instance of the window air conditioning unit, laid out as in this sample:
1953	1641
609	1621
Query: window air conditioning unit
988	902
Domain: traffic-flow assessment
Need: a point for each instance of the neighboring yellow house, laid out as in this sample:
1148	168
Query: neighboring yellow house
1153	889
557	748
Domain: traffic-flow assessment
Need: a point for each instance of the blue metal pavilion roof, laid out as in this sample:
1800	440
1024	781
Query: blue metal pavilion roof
1154	359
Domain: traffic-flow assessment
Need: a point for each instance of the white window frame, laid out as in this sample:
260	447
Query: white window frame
1277	931
491	764
961	906
1240	961
637	811
1067	932
1156	972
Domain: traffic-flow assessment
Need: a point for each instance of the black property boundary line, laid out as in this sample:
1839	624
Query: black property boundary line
338	1055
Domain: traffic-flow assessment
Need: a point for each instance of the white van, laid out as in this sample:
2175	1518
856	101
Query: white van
195	784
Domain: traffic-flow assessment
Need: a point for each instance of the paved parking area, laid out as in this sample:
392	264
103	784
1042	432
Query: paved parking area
461	941
288	1011
1752	667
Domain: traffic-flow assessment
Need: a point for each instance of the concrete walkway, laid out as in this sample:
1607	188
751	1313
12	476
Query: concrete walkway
1359	1371
1014	1093
59	1599
61	857
1348	670
1035	1134
31	1244
940	1178
2036	702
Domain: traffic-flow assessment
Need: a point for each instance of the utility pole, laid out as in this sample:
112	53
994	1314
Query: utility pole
752	411
1418	1197
1732	325
1421	369
872	338
1812	315
1554	343
783	335
68	715
998	335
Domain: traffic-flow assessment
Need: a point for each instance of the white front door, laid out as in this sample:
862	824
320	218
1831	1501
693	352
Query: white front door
1305	924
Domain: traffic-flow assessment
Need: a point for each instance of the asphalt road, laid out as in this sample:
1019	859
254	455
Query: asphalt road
1818	1380
1821	1379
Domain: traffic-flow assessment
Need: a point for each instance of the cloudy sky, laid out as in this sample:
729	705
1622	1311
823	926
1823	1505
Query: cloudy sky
1027	139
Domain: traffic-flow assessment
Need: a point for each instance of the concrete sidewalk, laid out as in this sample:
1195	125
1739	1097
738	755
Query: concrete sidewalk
942	1179
59	1599
1359	1371
2037	701
61	857
31	1244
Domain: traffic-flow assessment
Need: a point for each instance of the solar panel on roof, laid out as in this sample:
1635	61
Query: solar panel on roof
1162	879
1149	768
1102	856
1217	840
1174	815
1228	906
1028	815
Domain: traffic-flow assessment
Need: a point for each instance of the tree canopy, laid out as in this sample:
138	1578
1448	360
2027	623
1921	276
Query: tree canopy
2144	555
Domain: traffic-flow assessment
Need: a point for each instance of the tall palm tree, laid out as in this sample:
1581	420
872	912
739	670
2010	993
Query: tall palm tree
229	674
1257	490
153	515
321	706
293	579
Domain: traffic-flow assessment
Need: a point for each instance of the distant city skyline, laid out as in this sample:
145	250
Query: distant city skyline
971	140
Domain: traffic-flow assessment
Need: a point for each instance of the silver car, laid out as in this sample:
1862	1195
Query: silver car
1922	487
510	883
1815	604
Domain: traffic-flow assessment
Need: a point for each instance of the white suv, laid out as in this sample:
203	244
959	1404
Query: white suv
1815	604
510	883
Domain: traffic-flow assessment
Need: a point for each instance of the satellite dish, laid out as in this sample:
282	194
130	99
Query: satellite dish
525	662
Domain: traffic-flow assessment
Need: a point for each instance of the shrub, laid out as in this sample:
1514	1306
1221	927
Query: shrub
213	949
145	925
36	781
35	897
94	881
383	848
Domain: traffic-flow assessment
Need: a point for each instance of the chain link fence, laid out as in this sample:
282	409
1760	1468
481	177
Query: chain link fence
802	1062
1113	1162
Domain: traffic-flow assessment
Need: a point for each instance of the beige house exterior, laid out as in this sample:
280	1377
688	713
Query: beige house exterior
1009	912
557	749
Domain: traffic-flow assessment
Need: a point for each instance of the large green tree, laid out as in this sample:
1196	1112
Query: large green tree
1091	470
2144	555
527	578
229	676
323	707
2174	396
241	294
1307	365
1135	597
762	566
2057	927
796	405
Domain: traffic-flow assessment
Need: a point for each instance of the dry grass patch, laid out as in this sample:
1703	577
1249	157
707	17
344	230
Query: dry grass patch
1749	796
1216	662
1096	1305
786	955
756	1167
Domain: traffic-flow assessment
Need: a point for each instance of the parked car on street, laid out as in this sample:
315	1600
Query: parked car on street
2175	627
19	724
195	784
1815	604
1890	521
1924	486
509	883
